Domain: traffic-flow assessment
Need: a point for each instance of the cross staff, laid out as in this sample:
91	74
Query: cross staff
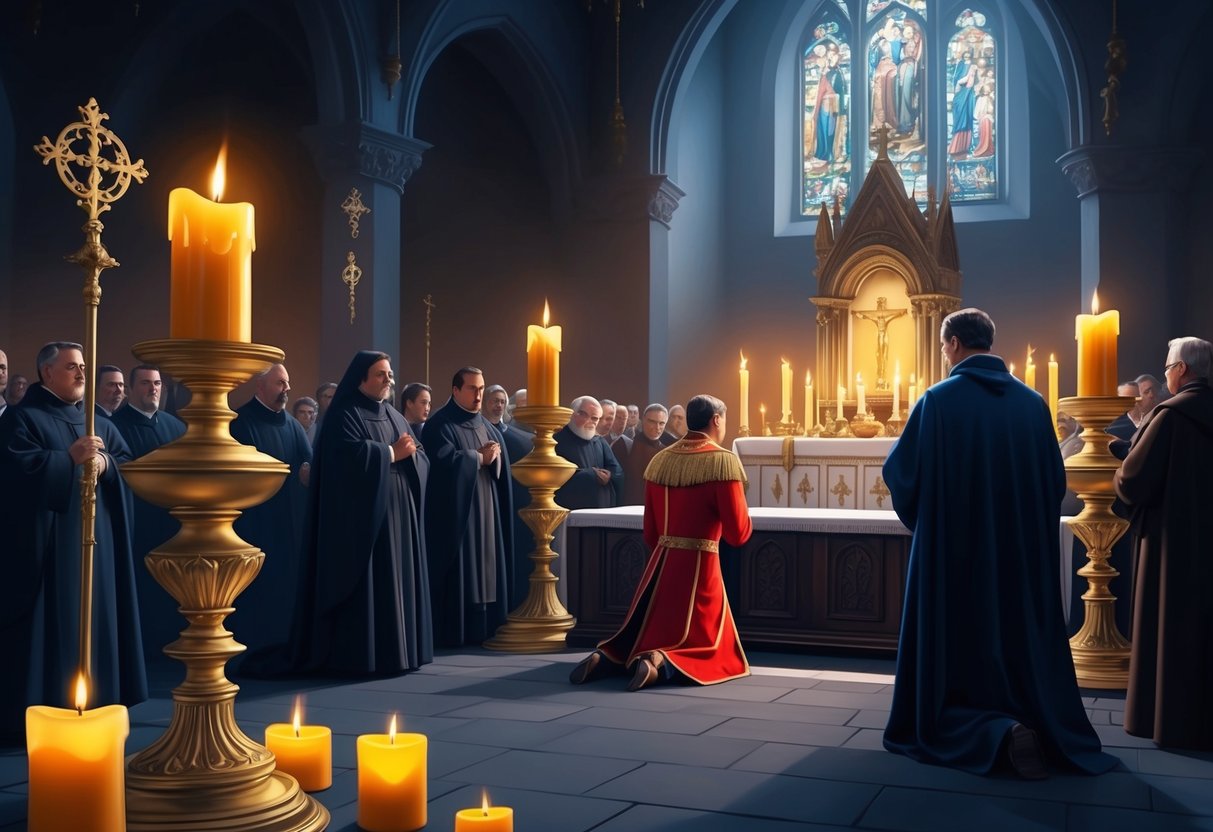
95	195
430	306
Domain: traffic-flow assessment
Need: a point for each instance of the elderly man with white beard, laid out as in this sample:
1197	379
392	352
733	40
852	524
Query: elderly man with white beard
598	480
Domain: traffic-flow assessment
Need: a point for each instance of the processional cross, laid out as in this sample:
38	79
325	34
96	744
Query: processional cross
430	306
881	316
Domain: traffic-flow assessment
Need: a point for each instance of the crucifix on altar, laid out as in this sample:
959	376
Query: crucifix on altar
881	316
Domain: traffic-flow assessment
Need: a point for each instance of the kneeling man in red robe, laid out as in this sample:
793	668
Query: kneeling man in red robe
679	621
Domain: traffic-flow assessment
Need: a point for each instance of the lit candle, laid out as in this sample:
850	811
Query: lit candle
485	818
76	766
305	752
543	362
762	419
1053	388
842	394
212	272
912	393
786	402
809	418
861	403
1029	370
392	780
1096	336
744	420
897	389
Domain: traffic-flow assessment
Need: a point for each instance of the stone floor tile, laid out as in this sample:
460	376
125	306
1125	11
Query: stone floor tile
868	739
13	807
1182	795
562	773
742	793
612	693
534	811
526	711
510	733
1105	819
870	719
801	733
727	690
852	687
1115	736
676	722
774	711
13	768
778	681
716	752
839	699
382	701
446	757
1176	763
665	819
925	811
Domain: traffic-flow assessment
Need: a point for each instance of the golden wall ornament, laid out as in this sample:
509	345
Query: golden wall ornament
1115	67
540	623
841	490
92	147
354	208
390	66
619	125
430	306
804	489
350	276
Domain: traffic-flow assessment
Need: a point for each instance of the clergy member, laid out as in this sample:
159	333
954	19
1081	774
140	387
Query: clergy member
306	410
644	447
42	449
415	401
984	672
3	382
111	390
15	392
679	622
517	443
145	428
1165	483
364	600
468	507
676	425
263	611
598	480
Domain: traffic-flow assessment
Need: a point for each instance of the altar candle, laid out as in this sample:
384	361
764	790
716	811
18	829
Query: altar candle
1011	369
1096	335
392	780
211	293
1029	370
860	401
1053	388
543	362
786	403
76	766
485	818
912	393
897	390
809	418
744	375
305	752
842	394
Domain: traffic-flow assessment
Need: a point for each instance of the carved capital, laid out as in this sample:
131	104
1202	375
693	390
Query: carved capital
620	197
664	201
1129	169
359	148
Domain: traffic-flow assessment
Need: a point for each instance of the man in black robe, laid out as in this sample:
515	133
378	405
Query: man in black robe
145	428
467	511
111	390
644	447
42	448
1165	483
263	611
415	404
676	425
598	480
364	601
518	443
984	671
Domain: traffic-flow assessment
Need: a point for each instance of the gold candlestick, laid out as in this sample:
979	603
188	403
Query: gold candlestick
541	623
203	772
1101	653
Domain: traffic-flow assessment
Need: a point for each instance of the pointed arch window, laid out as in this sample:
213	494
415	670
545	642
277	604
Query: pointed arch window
928	71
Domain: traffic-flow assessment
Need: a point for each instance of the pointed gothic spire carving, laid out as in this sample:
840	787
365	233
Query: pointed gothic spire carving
825	234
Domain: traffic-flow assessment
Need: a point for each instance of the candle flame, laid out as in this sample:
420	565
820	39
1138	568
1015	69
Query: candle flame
298	716
808	378
911	378
547	312
785	363
81	693
220	175
391	730
1030	354
743	358
859	378
762	408
1051	358
484	801
1094	301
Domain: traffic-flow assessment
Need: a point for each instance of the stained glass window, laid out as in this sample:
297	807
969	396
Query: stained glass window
972	115
826	67
875	7
896	81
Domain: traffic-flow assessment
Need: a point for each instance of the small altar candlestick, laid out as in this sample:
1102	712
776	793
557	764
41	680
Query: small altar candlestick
809	417
842	394
785	413
860	400
912	397
897	390
1029	370
744	376
1053	388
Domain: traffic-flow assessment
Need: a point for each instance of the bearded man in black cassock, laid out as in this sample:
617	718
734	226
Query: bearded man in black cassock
984	672
145	428
598	480
263	611
42	448
364	604
468	506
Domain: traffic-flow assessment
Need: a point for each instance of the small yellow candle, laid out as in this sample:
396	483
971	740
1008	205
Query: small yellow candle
809	417
1053	388
1029	370
912	393
842	394
305	752
543	362
211	293
392	780
486	818
1096	335
861	401
744	374
76	766
897	389
785	410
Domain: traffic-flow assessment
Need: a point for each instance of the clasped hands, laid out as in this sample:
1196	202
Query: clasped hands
87	447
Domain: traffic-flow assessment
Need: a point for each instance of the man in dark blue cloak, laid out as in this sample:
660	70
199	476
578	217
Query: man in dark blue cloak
517	443
263	611
468	507
983	665
364	606
145	428
42	448
598	480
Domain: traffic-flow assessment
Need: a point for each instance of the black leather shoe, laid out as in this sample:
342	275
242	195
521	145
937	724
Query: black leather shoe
1023	750
643	675
591	667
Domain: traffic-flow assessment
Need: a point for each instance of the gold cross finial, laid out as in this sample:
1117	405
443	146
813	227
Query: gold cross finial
93	195
350	276
882	135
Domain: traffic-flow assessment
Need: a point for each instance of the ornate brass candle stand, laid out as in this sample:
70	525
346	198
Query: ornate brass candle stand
1101	653
204	773
541	622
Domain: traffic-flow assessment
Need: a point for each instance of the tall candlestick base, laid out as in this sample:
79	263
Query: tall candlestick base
1101	653
204	772
541	623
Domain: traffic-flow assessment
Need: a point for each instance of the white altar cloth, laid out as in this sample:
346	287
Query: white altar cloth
819	473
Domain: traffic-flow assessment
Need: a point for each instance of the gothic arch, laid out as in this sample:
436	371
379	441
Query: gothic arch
864	263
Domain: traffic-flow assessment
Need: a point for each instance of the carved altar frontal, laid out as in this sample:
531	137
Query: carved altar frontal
807	472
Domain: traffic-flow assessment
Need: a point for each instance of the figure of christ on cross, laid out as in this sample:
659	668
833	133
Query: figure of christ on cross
881	317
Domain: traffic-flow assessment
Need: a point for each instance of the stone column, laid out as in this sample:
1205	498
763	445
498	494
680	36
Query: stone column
363	167
663	199
1132	246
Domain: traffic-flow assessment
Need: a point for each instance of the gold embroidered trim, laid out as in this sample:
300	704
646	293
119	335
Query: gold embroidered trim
696	543
685	463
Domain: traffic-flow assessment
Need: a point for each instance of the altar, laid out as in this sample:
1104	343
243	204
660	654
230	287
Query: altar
809	472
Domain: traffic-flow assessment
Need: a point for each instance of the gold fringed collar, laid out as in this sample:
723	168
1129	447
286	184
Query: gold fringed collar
694	460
